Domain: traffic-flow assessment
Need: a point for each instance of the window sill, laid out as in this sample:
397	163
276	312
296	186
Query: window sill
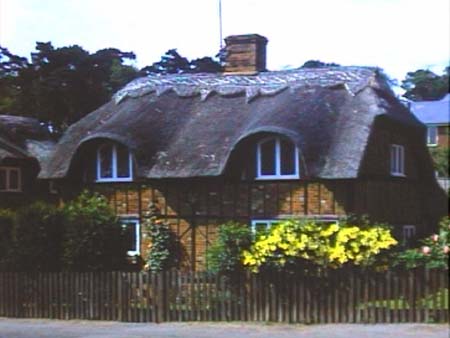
133	253
398	175
112	180
432	145
277	177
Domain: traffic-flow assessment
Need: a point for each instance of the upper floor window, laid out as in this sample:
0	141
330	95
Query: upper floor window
114	163
10	179
276	158
397	160
432	135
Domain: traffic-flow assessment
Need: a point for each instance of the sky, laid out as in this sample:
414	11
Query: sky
396	35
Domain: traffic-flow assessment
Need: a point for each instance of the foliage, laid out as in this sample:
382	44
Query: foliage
37	238
440	156
224	255
433	253
423	85
318	64
173	63
163	250
61	85
93	238
7	218
294	243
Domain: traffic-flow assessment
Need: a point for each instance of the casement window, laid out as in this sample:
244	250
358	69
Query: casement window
114	163
397	160
276	158
132	231
432	135
10	179
408	232
262	225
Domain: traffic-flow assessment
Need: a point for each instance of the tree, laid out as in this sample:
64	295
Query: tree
61	85
173	63
423	85
318	64
440	158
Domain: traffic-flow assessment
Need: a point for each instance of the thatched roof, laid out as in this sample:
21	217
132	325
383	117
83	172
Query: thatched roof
188	125
24	138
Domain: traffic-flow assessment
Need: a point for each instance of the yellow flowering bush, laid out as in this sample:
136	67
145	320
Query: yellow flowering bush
327	245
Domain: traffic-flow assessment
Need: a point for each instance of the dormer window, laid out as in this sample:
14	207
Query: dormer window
397	160
276	158
114	163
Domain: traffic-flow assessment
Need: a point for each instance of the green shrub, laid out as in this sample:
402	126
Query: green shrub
163	253
224	255
7	218
295	244
433	252
37	238
93	238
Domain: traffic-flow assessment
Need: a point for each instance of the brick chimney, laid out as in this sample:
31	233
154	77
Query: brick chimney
245	54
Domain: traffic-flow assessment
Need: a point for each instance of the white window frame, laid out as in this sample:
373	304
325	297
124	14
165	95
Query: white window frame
397	160
269	223
408	232
114	177
137	225
278	175
272	221
8	171
429	143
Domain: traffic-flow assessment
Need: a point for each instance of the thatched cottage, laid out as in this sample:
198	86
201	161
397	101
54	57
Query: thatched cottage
254	146
25	146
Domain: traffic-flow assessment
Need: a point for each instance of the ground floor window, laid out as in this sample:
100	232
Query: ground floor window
408	233
132	230
261	225
10	179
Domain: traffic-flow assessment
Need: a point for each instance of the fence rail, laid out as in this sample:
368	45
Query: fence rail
351	297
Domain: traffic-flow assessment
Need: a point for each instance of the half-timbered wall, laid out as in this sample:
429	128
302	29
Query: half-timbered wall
195	208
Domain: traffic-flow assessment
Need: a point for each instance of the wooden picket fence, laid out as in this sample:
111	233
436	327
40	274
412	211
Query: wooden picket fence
350	297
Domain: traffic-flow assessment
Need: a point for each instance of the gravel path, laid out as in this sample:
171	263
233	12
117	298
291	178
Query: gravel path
35	328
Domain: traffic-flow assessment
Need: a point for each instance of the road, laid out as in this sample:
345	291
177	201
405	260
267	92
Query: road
35	328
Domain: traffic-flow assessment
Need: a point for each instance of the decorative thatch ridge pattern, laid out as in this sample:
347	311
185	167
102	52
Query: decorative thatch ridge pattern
264	84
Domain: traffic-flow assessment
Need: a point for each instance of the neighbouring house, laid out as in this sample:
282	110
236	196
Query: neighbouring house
436	116
254	146
25	146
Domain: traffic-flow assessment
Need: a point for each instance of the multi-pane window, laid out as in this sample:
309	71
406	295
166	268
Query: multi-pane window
397	160
131	229
114	163
10	179
261	225
432	135
276	158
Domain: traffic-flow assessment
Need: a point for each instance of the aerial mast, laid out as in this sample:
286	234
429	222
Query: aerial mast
220	24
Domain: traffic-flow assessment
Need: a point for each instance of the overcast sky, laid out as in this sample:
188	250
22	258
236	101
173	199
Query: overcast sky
396	35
